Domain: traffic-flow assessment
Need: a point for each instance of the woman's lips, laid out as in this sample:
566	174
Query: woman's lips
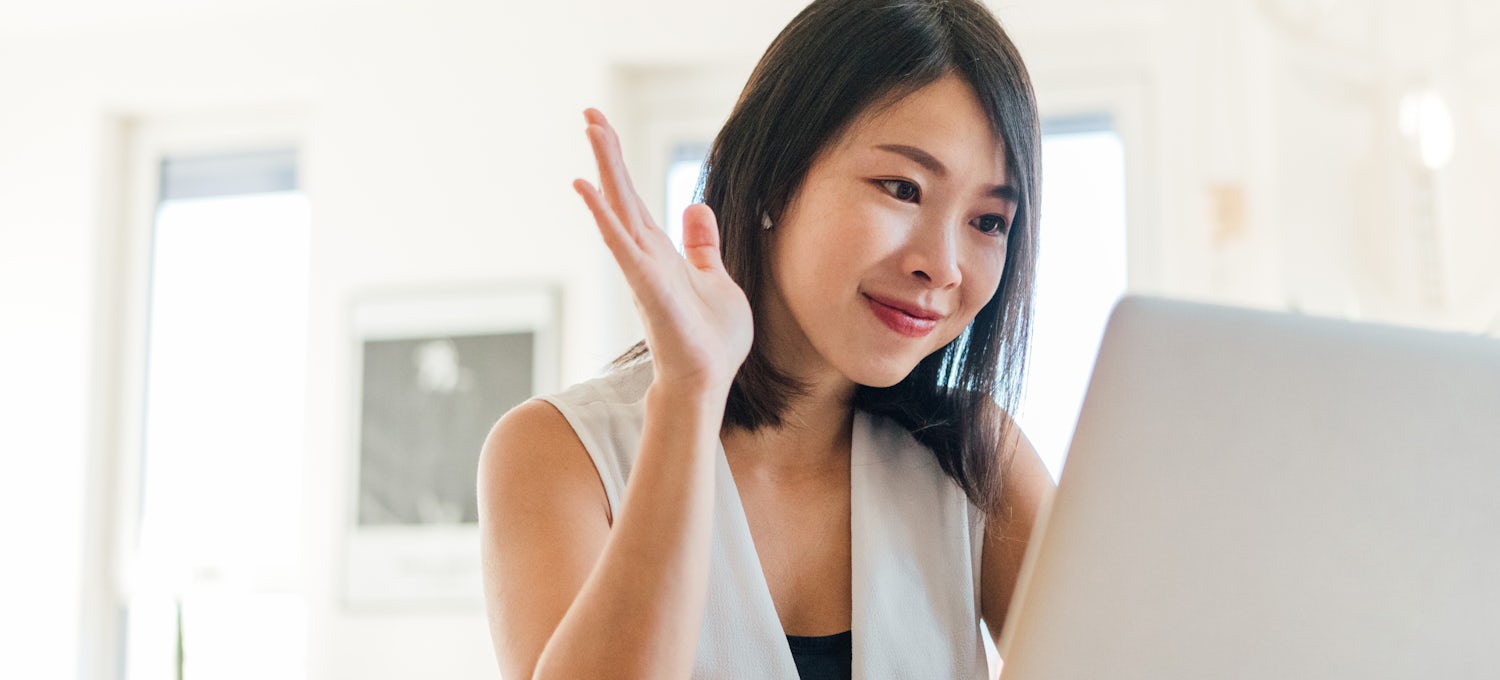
901	322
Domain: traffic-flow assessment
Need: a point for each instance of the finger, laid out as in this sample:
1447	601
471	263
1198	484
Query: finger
700	238
617	238
614	178
625	184
607	160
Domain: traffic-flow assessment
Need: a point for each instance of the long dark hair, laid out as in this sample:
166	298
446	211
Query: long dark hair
834	61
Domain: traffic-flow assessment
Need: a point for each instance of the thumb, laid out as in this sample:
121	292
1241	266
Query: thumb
700	237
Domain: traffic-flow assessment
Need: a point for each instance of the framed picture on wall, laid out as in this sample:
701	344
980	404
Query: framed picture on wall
432	373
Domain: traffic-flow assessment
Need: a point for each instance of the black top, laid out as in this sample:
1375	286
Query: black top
822	657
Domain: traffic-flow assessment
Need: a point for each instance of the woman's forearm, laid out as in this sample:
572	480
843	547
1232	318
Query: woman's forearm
639	613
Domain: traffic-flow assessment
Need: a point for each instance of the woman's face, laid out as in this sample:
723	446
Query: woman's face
894	242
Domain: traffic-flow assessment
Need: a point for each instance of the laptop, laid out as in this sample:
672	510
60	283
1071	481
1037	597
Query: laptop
1261	495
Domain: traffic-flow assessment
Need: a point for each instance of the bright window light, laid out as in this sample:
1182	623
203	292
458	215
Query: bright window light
1080	276
221	512
682	186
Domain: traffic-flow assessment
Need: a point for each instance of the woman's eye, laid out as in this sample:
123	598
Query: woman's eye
992	224
900	189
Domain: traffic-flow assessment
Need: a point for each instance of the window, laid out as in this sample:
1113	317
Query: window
218	559
1080	274
683	173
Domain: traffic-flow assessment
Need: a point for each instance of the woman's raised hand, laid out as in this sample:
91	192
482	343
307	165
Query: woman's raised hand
697	320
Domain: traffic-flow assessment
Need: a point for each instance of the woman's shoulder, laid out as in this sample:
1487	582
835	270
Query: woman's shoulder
581	412
603	415
617	385
565	443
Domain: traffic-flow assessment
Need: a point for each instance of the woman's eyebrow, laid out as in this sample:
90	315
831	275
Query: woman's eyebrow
1005	192
921	157
927	160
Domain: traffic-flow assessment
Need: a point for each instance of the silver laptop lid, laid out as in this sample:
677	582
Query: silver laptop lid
1257	495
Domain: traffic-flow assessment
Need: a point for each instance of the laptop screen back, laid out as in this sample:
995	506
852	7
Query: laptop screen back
1257	495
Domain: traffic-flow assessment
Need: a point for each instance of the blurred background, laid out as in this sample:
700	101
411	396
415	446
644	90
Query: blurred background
268	270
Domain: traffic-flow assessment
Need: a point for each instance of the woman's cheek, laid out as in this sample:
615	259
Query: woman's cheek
991	268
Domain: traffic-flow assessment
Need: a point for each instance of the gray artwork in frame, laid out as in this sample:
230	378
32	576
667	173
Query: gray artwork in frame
432	373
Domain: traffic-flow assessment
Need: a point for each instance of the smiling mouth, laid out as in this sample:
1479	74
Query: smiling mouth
900	321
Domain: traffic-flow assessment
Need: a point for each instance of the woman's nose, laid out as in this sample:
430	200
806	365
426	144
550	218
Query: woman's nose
932	254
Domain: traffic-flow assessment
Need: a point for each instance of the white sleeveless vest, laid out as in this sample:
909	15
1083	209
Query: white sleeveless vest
915	555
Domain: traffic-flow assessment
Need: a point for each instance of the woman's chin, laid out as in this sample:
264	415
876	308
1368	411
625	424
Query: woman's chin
879	383
880	373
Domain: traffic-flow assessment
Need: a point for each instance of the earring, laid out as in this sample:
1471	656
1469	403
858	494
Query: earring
765	221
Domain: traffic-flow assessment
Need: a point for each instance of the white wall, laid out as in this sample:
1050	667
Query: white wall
439	139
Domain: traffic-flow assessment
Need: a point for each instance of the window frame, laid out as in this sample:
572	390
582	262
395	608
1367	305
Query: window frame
133	144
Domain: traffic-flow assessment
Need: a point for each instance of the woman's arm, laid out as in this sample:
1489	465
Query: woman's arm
567	595
1026	487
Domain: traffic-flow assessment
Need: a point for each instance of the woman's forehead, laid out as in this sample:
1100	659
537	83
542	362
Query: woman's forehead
942	130
945	111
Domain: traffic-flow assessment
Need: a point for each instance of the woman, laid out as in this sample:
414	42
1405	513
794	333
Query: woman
803	470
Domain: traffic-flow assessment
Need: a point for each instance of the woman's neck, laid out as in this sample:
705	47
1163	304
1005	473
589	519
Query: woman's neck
813	439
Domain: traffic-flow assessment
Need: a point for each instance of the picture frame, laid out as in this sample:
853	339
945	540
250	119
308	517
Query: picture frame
432	372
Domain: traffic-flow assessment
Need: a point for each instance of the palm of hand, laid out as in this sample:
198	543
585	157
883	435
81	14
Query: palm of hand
697	319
